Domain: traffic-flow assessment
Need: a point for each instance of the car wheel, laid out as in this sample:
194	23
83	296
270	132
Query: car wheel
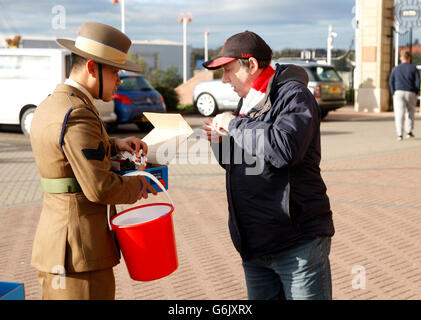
26	120
206	105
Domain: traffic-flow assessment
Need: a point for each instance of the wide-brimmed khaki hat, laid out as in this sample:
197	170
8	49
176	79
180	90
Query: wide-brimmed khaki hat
103	44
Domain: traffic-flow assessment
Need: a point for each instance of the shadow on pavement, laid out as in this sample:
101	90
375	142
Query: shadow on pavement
329	133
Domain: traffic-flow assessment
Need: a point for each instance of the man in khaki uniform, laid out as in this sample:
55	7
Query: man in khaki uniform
73	249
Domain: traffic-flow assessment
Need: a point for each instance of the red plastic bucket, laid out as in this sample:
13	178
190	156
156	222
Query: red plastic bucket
146	238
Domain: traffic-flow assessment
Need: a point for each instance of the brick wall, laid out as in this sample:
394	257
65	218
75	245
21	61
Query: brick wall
185	90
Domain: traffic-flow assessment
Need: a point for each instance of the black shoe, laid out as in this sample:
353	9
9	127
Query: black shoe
410	135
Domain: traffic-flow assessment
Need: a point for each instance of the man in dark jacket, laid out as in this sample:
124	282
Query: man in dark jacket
404	83
279	214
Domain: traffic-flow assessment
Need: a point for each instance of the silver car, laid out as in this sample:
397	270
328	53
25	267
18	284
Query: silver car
106	110
325	84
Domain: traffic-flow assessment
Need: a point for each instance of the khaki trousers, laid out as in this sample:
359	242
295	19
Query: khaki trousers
92	285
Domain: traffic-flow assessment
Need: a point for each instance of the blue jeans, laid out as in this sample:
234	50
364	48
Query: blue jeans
299	273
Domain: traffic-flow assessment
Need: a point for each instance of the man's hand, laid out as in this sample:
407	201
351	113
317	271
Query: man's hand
145	187
222	121
211	134
132	145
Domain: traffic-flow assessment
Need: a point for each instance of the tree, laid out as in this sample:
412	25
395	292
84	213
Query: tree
168	78
13	43
137	58
165	83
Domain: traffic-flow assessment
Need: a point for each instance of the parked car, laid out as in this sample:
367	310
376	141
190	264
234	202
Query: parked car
213	96
134	96
106	111
27	77
325	84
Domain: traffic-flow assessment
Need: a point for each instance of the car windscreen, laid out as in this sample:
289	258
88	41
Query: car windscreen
134	83
323	73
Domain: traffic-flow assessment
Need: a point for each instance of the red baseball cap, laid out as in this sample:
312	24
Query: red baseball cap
240	46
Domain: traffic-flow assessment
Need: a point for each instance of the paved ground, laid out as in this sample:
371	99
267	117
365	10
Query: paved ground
373	182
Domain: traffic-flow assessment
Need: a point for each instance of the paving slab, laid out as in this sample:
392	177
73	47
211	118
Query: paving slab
373	183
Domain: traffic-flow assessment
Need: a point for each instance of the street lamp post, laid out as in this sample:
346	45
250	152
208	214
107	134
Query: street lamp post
206	45
123	14
330	37
184	19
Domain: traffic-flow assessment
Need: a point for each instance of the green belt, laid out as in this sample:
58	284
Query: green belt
60	185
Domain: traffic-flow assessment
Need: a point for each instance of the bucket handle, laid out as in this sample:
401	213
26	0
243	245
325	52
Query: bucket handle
150	176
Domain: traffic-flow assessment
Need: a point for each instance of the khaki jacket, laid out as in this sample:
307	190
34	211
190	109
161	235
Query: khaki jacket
73	231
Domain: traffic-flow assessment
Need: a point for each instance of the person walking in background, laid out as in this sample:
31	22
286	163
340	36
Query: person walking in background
404	83
280	218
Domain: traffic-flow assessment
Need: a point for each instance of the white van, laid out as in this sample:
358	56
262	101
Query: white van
27	76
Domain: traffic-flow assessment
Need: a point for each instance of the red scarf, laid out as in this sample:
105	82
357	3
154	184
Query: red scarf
257	91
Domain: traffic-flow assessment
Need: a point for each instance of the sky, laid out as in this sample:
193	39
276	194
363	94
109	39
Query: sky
282	23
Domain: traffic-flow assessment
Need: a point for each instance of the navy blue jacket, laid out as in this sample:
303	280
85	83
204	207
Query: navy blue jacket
406	77
276	195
